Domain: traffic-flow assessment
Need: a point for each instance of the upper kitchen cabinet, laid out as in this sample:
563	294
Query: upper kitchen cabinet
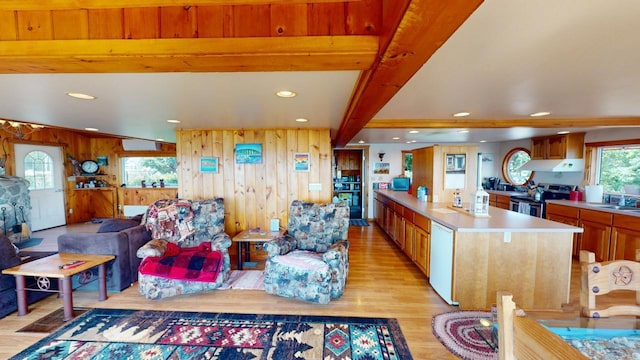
564	146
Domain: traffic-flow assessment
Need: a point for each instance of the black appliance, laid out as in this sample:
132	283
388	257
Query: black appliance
535	206
492	183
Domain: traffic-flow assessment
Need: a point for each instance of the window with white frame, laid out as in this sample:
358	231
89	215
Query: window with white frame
38	170
618	168
153	170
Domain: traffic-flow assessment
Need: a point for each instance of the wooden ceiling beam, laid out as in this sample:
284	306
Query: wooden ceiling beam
499	123
113	4
193	55
424	27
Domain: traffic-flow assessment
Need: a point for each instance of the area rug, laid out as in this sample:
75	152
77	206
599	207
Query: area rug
358	222
145	334
462	333
244	280
51	322
28	243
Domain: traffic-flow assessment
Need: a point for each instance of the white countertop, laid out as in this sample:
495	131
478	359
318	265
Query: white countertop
593	206
499	220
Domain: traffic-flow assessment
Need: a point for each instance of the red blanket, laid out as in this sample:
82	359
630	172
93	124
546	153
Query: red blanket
192	264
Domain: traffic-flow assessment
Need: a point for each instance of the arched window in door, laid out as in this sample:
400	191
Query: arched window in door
38	170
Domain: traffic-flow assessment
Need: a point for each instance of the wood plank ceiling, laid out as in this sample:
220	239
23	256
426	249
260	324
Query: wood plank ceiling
388	40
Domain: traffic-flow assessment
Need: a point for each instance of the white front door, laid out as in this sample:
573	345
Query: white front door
43	167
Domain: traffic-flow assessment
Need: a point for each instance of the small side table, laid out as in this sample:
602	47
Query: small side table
49	267
245	239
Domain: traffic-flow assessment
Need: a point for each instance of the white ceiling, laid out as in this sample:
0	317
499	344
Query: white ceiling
575	58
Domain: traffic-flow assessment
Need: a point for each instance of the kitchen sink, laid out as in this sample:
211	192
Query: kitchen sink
615	207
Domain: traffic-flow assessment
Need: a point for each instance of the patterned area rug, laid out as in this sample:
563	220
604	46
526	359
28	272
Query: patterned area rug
144	334
464	335
244	280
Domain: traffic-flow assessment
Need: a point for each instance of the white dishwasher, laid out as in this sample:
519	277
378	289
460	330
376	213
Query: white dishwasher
441	261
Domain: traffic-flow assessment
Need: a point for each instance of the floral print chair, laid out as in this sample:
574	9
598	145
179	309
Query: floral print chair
186	236
311	262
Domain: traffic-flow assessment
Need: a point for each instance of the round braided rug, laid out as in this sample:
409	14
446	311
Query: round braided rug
460	332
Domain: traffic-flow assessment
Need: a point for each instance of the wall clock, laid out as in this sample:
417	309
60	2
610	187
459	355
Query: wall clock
89	167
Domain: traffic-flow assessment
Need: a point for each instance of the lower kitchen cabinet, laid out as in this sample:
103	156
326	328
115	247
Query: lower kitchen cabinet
410	231
625	237
567	215
597	232
610	236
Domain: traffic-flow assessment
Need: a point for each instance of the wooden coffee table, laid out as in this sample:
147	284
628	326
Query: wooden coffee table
49	267
246	238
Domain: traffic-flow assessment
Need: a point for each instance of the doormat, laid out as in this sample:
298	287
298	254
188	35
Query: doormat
462	333
358	222
147	334
28	243
51	322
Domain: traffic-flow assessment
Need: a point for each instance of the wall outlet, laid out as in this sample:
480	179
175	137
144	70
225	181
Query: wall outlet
70	211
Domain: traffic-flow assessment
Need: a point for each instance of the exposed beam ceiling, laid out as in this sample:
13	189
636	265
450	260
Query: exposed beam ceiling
424	27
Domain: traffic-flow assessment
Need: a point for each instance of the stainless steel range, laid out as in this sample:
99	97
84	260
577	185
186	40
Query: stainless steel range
535	205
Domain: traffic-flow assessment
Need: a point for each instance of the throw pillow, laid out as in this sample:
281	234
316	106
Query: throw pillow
155	247
115	225
9	256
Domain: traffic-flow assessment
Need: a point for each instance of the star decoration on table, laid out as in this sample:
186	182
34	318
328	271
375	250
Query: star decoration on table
623	276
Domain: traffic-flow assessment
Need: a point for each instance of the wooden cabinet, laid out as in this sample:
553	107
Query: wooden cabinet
503	201
597	232
558	146
409	234
410	231
86	204
567	215
422	243
429	169
611	236
348	159
625	237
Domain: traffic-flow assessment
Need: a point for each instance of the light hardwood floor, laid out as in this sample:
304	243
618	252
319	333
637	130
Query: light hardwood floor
382	283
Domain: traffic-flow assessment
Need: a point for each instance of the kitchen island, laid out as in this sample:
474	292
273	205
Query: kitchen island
506	251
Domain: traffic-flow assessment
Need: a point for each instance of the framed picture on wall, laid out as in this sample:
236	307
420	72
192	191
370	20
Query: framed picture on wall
248	153
208	164
301	162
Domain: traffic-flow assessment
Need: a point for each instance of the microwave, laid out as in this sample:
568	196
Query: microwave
400	183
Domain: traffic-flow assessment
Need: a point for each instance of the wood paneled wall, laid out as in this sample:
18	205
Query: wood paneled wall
86	204
254	193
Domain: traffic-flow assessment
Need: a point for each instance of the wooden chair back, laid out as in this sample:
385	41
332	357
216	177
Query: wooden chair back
600	278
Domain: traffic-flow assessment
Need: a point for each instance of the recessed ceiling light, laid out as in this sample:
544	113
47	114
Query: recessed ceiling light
563	132
173	121
408	142
81	96
395	138
463	131
91	129
361	142
160	139
540	113
286	94
413	131
302	120
483	141
414	141
461	114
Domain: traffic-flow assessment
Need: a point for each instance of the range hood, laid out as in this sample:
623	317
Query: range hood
554	165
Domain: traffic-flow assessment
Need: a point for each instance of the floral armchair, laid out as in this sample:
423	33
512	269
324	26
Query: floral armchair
311	262
188	252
